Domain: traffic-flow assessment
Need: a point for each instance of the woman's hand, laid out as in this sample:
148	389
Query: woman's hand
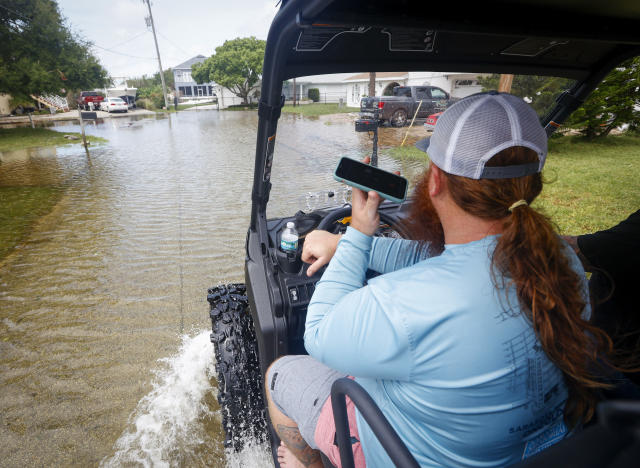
364	209
318	249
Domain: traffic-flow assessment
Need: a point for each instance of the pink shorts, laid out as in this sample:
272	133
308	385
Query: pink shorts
325	434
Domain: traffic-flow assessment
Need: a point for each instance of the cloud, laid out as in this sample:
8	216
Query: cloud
185	29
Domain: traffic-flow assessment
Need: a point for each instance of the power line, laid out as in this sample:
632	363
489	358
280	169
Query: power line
172	43
128	40
122	53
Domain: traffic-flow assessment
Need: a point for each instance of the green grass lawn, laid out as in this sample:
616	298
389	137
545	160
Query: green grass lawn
589	185
20	208
312	110
24	137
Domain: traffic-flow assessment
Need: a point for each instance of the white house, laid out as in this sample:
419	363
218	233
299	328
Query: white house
226	98
189	90
186	85
332	87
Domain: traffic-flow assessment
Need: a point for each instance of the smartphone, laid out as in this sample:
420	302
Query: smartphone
365	177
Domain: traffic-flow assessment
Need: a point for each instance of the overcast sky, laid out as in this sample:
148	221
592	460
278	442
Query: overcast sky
185	28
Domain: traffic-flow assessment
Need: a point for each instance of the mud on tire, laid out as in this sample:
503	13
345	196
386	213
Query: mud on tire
399	118
237	367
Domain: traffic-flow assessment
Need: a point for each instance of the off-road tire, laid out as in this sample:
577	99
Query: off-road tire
399	118
237	366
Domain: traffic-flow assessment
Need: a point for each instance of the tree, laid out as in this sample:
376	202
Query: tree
540	90
236	65
148	82
39	54
153	93
613	103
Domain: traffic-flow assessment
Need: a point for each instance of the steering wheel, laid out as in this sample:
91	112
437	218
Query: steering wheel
328	223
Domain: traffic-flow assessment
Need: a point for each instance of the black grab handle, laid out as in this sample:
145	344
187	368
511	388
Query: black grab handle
387	436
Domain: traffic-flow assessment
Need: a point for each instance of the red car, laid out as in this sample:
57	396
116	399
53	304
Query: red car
90	96
430	123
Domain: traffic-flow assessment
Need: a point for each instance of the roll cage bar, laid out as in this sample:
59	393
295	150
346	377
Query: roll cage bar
566	38
614	441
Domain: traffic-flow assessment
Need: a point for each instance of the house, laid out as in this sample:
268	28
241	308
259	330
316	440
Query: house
332	88
188	89
226	98
349	88
186	86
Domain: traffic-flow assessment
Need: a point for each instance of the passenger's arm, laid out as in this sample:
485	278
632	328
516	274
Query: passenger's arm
347	328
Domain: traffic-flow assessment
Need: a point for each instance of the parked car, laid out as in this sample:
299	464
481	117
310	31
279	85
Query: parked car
114	104
89	96
430	123
401	107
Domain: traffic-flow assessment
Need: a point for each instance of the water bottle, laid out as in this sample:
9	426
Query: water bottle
289	238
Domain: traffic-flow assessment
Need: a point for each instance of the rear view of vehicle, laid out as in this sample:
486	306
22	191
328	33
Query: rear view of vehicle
90	97
430	123
114	105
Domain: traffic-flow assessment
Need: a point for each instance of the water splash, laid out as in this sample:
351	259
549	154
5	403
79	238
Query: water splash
167	428
253	455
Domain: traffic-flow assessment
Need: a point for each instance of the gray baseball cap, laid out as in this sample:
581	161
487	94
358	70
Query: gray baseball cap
476	128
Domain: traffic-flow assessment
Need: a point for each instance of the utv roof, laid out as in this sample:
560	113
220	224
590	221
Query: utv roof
569	38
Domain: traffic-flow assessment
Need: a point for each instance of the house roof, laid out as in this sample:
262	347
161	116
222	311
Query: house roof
191	61
379	76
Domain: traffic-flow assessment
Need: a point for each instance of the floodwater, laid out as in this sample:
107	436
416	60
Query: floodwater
105	356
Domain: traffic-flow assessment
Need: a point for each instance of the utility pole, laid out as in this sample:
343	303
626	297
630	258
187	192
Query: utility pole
505	83
155	39
294	93
372	84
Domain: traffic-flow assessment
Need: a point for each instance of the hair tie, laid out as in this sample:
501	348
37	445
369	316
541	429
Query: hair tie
517	204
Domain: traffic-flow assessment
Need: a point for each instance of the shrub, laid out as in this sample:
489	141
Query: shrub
251	106
314	94
144	103
154	95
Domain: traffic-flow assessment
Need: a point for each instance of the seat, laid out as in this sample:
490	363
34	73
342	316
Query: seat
612	442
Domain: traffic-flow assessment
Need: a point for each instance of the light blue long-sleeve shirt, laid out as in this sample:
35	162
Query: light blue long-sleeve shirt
447	356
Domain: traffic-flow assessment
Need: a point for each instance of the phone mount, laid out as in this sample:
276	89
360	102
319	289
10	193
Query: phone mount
370	124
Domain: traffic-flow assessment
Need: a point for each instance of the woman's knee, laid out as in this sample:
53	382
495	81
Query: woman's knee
268	376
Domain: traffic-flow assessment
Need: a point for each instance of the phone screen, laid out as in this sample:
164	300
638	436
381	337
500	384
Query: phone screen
371	177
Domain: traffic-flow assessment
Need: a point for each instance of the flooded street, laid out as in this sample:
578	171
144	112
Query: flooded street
104	353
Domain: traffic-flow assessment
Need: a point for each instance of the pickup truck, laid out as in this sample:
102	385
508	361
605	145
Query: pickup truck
400	108
89	96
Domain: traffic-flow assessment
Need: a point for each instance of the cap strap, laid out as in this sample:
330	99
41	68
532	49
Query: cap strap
517	204
507	172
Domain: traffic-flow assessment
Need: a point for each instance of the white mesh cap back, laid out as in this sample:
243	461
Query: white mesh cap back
477	127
